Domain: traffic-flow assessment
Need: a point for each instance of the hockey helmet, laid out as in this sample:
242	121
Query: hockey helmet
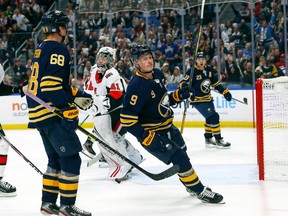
52	20
105	59
140	50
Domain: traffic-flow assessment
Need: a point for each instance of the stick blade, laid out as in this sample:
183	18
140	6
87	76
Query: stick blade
166	173
245	100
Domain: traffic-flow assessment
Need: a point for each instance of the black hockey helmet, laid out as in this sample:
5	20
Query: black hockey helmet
140	50
201	55
52	20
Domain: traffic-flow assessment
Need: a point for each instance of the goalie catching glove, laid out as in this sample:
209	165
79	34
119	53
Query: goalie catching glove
69	117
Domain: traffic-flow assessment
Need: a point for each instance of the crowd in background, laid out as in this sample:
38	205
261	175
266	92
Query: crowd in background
164	37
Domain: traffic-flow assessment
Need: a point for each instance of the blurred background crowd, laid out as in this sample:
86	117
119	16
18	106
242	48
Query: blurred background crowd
19	34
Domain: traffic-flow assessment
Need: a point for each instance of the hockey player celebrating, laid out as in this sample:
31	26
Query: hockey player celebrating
204	76
50	81
108	88
146	114
6	189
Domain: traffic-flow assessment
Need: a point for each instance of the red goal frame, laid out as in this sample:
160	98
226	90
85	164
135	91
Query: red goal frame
259	127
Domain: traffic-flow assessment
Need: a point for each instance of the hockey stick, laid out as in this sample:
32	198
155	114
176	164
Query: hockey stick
245	101
94	160
186	103
165	174
23	156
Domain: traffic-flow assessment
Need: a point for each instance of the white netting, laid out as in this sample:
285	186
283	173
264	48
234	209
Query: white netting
275	128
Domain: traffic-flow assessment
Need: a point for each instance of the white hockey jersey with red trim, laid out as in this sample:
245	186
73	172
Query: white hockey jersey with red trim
110	83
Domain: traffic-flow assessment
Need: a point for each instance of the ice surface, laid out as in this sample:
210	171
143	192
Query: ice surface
233	173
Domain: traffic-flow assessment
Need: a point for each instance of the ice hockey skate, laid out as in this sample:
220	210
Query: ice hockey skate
102	162
221	144
88	148
69	210
210	143
7	190
49	209
208	196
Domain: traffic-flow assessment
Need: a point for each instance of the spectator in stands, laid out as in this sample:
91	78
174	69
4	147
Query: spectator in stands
265	30
241	13
229	27
245	30
29	48
248	74
158	58
135	19
19	72
236	37
166	71
170	51
118	34
281	42
124	71
281	64
232	70
20	19
247	51
3	45
267	69
29	64
87	68
176	32
177	76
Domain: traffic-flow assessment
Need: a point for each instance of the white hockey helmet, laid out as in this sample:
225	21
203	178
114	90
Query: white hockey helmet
105	59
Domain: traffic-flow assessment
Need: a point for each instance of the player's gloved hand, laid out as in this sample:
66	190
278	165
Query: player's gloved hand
83	100
181	94
155	142
19	90
227	95
192	94
70	117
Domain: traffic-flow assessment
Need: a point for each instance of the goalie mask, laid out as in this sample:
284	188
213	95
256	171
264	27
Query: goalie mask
105	59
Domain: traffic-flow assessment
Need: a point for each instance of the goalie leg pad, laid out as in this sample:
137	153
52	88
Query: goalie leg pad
3	156
118	168
133	154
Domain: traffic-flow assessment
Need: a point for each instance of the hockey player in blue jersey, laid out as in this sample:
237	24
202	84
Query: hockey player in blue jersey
146	114
205	77
50	81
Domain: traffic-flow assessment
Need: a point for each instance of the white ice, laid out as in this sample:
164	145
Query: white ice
233	173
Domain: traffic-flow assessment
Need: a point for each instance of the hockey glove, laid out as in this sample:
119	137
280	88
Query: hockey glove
18	90
83	100
227	95
183	85
180	94
70	117
154	142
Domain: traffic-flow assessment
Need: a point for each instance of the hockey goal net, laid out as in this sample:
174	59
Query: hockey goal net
272	128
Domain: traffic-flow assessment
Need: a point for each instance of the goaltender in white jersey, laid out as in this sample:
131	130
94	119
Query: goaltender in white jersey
108	88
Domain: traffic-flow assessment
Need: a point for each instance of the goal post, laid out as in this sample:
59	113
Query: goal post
272	128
